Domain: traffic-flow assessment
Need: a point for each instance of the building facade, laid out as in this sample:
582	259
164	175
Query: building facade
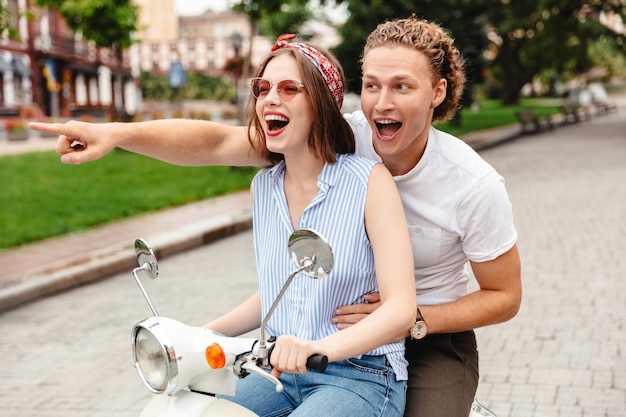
203	44
51	72
16	89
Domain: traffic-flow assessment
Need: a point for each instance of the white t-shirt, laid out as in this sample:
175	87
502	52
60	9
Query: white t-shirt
457	209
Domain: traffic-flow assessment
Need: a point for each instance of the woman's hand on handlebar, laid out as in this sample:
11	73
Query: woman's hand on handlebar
291	354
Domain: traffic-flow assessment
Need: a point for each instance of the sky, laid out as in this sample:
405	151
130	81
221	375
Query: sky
196	7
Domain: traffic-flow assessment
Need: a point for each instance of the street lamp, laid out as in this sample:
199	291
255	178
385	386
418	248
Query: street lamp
236	41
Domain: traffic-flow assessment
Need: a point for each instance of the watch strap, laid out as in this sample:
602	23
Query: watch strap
418	316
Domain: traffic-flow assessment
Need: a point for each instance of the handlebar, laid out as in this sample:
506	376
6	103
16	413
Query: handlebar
317	362
252	364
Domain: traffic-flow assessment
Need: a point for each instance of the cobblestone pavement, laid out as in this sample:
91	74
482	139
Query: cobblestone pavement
565	352
563	355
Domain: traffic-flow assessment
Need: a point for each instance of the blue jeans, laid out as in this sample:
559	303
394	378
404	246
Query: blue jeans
354	387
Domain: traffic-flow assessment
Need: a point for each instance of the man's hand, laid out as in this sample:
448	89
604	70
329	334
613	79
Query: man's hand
346	316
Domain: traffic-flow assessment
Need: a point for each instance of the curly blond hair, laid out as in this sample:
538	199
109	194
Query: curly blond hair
438	47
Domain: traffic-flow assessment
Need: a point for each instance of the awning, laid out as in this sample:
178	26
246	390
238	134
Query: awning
84	69
21	68
4	65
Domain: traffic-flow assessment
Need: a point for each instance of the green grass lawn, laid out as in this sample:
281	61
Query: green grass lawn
41	198
493	114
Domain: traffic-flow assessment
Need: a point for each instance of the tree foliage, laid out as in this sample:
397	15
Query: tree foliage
538	35
275	17
197	87
8	21
109	23
529	37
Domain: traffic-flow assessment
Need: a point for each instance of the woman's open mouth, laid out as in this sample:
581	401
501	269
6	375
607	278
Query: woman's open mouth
276	122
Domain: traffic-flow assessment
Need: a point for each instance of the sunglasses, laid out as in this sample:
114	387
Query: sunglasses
287	89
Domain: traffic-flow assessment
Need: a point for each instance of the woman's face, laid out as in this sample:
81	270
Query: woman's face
286	121
398	98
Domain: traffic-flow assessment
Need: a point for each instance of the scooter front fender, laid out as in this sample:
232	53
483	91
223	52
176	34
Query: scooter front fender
192	404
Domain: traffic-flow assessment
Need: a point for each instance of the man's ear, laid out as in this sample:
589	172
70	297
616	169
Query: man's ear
439	90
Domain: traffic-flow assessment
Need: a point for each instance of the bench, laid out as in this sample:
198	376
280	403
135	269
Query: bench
531	123
572	114
604	107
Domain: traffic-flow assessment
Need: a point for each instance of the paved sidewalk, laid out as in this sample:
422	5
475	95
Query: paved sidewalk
48	267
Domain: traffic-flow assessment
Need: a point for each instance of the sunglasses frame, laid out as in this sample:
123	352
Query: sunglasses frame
282	93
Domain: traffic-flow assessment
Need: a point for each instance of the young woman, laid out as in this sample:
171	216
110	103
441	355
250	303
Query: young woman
456	204
315	183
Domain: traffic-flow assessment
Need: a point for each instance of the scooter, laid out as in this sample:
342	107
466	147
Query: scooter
187	367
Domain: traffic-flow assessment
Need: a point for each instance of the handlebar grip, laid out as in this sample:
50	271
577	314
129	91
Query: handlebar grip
317	362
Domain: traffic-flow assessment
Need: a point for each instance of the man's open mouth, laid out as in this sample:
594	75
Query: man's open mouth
387	127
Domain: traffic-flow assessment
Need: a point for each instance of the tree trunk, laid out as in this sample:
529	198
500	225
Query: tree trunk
509	94
119	112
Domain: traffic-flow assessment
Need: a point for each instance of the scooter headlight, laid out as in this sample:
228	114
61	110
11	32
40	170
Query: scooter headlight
154	357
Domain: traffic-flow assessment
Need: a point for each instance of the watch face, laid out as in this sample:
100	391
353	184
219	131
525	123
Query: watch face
419	330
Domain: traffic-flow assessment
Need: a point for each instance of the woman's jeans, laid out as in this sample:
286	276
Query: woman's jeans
354	387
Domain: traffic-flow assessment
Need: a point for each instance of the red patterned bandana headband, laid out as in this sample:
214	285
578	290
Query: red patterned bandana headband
331	74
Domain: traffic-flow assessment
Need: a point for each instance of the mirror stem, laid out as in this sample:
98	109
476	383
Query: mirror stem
263	341
145	267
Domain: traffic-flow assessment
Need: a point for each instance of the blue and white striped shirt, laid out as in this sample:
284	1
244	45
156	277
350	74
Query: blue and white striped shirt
337	212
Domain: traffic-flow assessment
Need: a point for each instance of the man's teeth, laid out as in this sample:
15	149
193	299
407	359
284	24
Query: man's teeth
386	122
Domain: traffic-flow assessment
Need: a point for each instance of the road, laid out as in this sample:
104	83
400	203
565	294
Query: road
562	355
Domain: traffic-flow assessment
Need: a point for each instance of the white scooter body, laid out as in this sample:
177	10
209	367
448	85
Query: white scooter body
193	404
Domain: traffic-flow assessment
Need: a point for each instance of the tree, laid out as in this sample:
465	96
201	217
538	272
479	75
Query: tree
536	35
108	23
531	36
273	18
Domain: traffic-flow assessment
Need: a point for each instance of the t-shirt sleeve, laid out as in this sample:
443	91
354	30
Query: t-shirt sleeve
485	216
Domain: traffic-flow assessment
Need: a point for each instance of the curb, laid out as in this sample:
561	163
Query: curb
113	260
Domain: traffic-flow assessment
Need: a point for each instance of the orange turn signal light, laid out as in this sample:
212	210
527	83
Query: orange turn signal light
215	356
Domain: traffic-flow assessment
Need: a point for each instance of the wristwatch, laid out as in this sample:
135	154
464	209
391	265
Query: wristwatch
419	330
